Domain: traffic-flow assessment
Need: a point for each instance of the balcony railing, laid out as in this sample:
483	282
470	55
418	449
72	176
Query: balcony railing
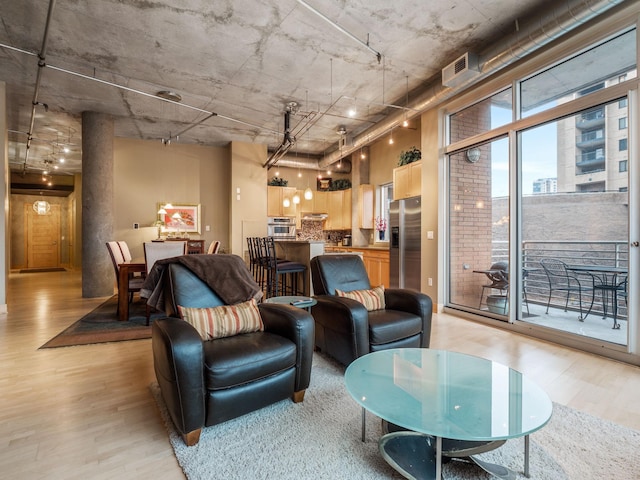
607	253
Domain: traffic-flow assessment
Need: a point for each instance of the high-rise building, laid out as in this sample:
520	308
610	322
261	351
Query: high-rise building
545	185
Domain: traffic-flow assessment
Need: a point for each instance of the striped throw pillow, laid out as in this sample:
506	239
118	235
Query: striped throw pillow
372	299
225	320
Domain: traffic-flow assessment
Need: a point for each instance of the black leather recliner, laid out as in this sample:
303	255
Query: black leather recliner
345	329
204	383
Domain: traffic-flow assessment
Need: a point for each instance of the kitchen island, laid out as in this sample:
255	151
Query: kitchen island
301	251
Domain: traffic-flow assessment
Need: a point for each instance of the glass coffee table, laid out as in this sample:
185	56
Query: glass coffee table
439	404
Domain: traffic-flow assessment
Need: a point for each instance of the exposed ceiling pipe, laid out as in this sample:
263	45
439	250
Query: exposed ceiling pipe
41	64
550	25
311	163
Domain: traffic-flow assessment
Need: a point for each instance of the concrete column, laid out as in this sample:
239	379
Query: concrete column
5	236
97	204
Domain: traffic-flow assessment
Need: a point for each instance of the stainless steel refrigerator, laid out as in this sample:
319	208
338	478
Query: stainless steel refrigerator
404	246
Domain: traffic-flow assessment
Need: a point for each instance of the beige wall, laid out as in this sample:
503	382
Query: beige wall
383	157
430	187
248	208
147	173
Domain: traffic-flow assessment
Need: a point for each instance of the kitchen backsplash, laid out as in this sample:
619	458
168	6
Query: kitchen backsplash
312	230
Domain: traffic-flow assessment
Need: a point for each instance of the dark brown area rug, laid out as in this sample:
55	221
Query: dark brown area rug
102	325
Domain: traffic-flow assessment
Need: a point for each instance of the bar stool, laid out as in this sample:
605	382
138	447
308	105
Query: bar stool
282	274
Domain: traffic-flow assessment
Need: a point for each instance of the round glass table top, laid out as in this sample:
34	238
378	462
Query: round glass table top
295	300
448	394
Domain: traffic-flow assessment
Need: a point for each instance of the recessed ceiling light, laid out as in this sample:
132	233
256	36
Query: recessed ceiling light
169	95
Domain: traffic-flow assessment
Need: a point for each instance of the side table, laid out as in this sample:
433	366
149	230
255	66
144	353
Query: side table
295	300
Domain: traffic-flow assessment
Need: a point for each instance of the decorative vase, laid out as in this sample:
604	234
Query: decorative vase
381	234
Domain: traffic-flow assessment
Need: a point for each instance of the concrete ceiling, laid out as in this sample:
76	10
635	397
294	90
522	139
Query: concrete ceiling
235	63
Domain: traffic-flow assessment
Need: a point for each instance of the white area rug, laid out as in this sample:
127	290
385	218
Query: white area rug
320	439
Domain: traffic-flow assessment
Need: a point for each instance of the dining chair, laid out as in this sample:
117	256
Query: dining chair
124	248
117	257
154	251
214	247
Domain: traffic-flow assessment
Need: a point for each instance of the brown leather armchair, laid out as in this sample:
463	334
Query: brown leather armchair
345	329
204	383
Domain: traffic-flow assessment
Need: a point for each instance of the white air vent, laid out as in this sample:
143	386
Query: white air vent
463	69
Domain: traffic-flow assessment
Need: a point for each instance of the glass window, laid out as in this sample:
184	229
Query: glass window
623	166
384	196
622	123
481	117
600	67
622	103
622	144
479	227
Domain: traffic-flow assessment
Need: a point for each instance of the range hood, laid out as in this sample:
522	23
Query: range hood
318	217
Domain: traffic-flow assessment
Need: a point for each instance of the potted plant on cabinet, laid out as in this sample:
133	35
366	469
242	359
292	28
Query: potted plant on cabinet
410	156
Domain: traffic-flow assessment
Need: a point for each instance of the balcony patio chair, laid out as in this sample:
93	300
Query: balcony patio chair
614	288
560	279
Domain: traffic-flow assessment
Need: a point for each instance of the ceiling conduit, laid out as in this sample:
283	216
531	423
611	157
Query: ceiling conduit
41	65
541	30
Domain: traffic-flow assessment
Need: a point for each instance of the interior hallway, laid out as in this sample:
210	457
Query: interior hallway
86	412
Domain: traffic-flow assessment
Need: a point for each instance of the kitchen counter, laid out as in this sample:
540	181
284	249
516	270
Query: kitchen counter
367	247
301	251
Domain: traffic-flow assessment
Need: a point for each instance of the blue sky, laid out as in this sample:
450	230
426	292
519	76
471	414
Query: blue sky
539	155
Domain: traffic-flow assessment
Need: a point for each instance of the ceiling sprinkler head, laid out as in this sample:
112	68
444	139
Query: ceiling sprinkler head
169	95
291	107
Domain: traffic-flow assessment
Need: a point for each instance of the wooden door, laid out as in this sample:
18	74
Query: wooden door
42	237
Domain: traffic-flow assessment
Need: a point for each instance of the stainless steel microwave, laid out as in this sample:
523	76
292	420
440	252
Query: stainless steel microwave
282	227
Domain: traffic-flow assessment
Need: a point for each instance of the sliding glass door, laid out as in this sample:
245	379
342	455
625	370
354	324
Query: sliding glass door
575	222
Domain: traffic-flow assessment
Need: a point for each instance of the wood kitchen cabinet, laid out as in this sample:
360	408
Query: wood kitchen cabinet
275	200
339	210
320	202
377	265
407	181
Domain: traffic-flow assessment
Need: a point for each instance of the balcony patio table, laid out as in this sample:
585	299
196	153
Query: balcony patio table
605	279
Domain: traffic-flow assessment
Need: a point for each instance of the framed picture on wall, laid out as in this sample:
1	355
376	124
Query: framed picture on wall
324	184
183	218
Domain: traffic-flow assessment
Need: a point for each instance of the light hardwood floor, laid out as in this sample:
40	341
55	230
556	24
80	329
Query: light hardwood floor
86	412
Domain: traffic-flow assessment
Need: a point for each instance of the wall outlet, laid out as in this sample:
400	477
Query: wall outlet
136	226
430	282
430	235
207	228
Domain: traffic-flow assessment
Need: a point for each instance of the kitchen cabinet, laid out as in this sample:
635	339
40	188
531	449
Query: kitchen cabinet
407	181
320	202
339	210
366	197
275	201
376	263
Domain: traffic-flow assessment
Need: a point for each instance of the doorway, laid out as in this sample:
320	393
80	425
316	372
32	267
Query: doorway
42	236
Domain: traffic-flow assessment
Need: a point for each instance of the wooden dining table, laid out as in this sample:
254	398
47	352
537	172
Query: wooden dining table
124	273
